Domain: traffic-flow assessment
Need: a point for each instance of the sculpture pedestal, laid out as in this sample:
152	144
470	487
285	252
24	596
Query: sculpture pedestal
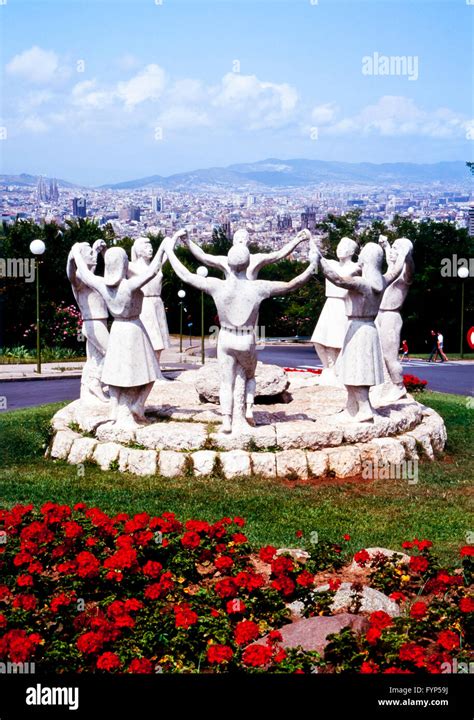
300	439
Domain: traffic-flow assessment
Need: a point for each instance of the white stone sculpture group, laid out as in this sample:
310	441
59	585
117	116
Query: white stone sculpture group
356	336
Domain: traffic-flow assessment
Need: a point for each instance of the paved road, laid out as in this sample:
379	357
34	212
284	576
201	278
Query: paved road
446	377
450	377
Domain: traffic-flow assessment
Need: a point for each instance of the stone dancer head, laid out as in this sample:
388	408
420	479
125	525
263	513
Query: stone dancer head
402	247
346	248
370	260
90	258
142	248
116	266
238	258
241	237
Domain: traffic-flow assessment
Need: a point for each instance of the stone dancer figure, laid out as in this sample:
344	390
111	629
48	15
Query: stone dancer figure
94	313
328	335
153	314
257	260
130	365
361	355
389	320
238	301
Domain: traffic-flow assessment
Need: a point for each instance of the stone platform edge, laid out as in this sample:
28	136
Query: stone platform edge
426	440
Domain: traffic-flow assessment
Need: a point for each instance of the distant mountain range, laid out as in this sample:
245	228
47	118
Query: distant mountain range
280	174
25	179
274	173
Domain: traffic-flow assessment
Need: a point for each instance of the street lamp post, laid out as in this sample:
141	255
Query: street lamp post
463	273
181	295
202	271
37	248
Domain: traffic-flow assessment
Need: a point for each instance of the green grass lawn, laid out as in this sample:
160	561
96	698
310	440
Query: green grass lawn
438	507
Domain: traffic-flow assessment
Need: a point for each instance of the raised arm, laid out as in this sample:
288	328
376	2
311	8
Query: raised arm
259	260
394	270
347	282
137	281
274	287
216	261
181	271
385	245
94	281
71	269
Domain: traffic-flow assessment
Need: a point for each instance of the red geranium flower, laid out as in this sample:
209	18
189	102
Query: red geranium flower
267	553
223	562
411	652
239	538
184	616
283	584
225	588
235	607
249	580
108	661
418	564
467	551
140	666
217	654
380	619
190	540
90	642
466	604
152	568
418	610
257	655
274	636
305	579
87	564
362	557
369	666
245	631
448	639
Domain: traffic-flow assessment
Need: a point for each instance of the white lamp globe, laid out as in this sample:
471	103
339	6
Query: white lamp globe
463	273
181	293
202	271
37	247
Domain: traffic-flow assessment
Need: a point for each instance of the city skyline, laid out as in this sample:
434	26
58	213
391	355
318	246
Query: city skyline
105	92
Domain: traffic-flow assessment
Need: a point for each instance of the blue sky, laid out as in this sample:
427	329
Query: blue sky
106	90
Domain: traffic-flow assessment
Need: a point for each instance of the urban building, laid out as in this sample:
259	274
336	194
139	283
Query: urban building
79	207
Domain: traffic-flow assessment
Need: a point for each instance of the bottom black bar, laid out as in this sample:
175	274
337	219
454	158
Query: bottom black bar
155	696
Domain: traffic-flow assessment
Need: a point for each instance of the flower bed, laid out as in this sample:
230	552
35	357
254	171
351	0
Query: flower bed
82	591
413	383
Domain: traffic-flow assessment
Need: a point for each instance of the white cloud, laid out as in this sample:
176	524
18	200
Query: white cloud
85	94
147	85
35	65
394	115
324	114
34	124
257	103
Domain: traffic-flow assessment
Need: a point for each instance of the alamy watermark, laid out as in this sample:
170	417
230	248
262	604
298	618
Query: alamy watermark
395	65
18	267
17	668
450	266
405	470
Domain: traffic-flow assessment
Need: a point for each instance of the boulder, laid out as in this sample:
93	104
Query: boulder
271	381
370	600
312	633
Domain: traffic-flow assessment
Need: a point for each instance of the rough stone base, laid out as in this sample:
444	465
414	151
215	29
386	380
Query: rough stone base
301	439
